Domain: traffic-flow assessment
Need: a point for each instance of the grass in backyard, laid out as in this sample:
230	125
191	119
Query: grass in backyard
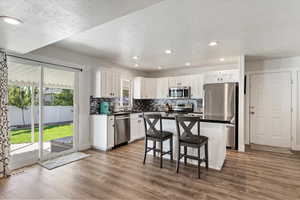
51	132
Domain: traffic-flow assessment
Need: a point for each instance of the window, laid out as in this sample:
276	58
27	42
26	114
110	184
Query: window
125	93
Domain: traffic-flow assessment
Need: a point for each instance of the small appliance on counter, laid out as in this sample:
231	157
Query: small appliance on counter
104	107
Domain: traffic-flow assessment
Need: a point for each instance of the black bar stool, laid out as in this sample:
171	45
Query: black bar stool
151	133
188	139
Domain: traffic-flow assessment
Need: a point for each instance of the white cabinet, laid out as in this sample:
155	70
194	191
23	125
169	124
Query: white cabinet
150	85
137	128
162	89
196	84
221	76
106	84
110	132
102	132
144	88
178	81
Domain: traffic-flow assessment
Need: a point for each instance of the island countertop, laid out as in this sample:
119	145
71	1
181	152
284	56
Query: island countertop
203	118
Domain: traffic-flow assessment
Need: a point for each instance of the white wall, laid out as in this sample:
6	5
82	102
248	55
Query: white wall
88	64
292	65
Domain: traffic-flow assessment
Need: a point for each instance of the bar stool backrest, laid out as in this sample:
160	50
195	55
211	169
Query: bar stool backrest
150	121
187	123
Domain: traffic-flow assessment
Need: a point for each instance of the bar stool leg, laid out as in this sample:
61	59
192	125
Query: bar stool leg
206	155
178	158
185	153
199	162
154	148
171	148
161	154
146	147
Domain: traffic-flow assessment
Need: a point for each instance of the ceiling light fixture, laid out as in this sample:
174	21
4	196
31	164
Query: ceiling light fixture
136	65
168	51
222	59
135	57
11	20
187	64
213	43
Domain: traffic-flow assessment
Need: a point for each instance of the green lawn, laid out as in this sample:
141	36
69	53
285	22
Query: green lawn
50	133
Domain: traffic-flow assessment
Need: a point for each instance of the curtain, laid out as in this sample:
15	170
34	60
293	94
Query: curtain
4	134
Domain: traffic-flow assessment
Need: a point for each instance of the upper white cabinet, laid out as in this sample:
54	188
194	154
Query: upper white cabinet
145	88
196	84
221	76
150	88
162	90
106	84
179	81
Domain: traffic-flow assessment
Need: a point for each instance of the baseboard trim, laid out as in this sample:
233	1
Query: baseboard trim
84	147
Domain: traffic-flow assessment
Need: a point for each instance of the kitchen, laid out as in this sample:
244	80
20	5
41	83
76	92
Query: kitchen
153	99
115	122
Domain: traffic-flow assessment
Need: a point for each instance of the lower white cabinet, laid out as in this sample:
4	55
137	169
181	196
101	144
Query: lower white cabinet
103	131
137	128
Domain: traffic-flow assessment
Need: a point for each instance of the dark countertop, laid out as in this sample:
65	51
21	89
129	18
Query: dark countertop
206	118
171	116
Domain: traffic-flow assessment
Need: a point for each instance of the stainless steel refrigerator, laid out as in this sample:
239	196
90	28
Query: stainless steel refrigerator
221	100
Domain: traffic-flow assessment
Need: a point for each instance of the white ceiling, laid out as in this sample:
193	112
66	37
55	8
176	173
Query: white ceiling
268	28
48	21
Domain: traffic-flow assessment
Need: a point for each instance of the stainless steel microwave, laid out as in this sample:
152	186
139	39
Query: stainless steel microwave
180	92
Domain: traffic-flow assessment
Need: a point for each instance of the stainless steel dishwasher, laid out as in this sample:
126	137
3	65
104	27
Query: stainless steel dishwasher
122	128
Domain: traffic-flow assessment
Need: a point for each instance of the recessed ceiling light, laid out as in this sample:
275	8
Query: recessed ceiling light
135	57
159	67
136	65
11	20
168	51
222	59
187	64
213	43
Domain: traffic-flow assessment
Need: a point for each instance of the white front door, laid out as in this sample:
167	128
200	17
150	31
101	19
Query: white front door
270	109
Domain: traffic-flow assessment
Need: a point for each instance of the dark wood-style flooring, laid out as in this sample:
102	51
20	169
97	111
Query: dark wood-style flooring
120	174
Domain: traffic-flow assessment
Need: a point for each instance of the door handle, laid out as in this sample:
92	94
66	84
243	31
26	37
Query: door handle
252	113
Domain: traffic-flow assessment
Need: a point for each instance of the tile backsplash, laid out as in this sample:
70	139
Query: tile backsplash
144	105
95	104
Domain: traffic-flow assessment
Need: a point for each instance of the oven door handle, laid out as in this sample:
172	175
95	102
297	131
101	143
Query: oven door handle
121	118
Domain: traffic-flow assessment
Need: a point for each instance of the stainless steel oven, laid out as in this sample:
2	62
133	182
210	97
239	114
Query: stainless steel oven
180	92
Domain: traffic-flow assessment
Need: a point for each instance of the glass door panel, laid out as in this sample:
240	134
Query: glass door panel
23	112
58	112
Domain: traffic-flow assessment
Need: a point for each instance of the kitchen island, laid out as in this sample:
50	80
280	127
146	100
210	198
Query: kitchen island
212	127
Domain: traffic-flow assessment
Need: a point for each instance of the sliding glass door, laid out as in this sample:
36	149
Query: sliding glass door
24	79
42	112
58	112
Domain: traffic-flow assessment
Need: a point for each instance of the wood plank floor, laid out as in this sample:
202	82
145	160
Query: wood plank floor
120	174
